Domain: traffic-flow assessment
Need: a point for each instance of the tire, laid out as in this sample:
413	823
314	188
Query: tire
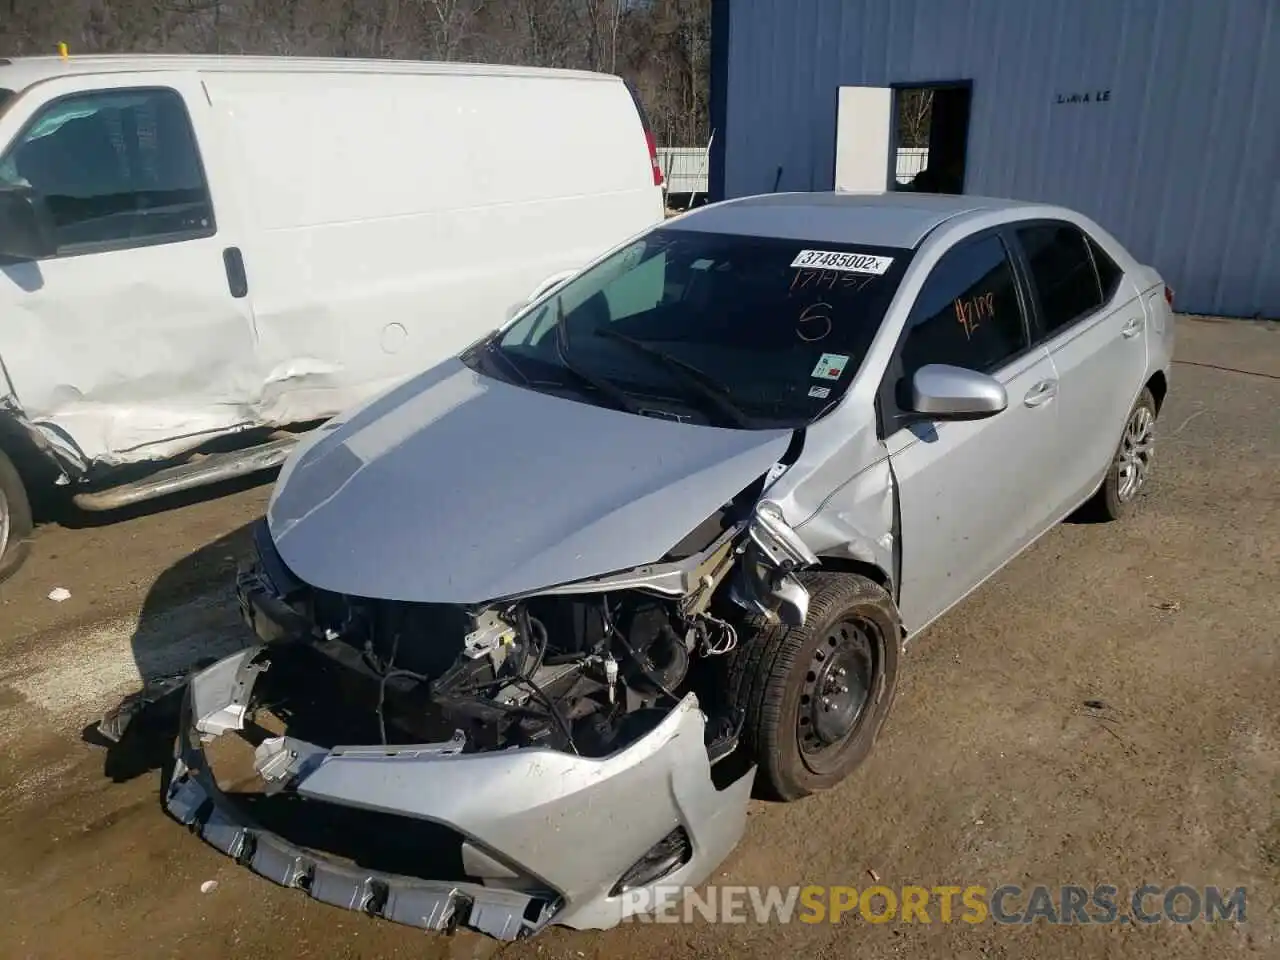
779	677
15	519
1117	498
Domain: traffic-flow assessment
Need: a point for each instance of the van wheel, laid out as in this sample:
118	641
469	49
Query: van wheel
816	696
15	519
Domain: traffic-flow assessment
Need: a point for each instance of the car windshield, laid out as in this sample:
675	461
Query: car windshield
728	330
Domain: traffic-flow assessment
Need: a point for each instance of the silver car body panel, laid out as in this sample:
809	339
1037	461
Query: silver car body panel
534	491
563	829
880	220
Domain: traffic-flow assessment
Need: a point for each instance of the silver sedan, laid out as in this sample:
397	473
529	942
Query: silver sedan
658	540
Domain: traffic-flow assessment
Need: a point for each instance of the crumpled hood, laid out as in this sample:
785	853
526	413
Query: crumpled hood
459	488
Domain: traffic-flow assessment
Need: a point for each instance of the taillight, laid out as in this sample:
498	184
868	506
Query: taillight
653	158
1168	296
649	141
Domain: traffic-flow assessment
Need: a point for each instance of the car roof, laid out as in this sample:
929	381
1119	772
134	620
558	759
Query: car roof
17	73
890	219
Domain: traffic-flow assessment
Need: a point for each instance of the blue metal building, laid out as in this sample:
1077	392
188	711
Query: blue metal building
1158	118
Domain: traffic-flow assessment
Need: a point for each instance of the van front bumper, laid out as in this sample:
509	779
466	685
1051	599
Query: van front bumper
546	837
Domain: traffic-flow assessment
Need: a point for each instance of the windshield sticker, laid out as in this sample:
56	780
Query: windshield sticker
843	262
830	366
820	393
702	265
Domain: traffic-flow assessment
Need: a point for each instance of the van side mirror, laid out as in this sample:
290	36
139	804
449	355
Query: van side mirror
943	392
26	230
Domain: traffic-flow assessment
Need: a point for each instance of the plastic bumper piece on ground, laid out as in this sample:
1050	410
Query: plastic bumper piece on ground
567	828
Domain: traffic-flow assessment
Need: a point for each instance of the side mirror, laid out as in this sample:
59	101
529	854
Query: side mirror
943	392
26	231
549	284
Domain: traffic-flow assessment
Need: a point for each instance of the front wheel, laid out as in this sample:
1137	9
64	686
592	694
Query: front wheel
816	696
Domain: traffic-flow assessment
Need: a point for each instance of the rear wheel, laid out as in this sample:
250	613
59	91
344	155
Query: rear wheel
15	519
816	696
1131	465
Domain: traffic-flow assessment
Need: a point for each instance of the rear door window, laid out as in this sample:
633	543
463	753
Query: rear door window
114	168
1066	281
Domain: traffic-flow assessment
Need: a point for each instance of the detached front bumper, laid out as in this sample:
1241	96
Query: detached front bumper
546	837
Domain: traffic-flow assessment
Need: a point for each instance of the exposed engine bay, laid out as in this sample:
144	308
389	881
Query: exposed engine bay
584	668
582	674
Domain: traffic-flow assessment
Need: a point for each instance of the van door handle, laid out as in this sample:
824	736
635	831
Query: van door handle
1132	328
236	279
1042	392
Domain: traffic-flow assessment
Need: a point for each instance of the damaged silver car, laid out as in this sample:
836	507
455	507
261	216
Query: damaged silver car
556	606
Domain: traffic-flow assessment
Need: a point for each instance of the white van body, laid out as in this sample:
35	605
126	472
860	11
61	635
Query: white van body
249	242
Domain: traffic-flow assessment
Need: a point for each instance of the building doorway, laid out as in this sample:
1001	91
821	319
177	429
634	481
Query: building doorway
931	136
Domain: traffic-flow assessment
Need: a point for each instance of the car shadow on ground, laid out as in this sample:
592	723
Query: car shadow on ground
189	618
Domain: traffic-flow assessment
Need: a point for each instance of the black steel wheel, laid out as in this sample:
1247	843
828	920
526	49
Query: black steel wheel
837	687
816	696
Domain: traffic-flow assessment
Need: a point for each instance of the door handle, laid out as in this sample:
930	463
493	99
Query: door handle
1132	328
1042	392
237	282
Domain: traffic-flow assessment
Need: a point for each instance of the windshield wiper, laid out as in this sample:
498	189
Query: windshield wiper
619	397
494	349
707	388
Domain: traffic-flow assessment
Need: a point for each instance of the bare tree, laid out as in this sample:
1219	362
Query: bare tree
453	21
915	113
661	46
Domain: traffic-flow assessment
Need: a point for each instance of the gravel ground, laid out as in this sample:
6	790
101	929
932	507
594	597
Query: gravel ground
991	770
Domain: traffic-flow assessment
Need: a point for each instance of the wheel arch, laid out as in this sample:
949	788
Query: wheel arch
861	568
36	469
1158	384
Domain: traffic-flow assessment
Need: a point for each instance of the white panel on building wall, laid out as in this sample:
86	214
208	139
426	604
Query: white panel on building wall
864	127
1179	158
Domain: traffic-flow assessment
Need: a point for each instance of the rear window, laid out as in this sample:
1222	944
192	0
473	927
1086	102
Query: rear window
779	327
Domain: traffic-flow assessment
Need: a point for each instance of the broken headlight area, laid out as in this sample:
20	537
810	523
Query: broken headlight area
583	674
584	668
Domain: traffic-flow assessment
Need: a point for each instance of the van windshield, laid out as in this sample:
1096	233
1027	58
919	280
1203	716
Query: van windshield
750	332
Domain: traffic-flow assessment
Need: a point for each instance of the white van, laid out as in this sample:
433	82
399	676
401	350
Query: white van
197	247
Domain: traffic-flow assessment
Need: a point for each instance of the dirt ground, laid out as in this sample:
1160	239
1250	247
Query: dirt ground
991	769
